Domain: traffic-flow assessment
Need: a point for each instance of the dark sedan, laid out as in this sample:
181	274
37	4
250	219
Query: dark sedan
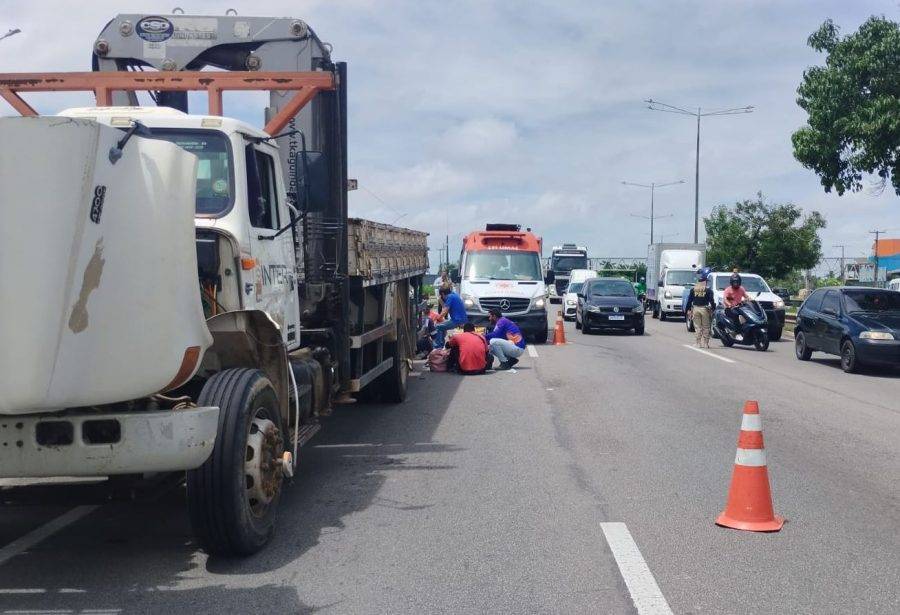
861	325
609	303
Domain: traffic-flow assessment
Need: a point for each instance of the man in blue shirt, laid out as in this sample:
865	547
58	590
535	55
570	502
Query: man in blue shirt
454	316
506	340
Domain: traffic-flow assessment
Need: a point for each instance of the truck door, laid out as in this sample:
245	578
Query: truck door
275	272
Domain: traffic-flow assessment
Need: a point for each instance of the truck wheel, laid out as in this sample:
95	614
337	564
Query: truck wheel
392	384
542	335
662	316
233	497
775	334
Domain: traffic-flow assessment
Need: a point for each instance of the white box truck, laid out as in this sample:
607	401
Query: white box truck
671	269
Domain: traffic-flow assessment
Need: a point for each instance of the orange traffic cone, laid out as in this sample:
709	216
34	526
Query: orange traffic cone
559	332
749	504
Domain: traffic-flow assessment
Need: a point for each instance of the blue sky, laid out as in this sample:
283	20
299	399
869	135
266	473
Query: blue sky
468	112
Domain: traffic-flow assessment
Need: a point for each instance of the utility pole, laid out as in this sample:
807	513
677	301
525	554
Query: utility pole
876	233
843	274
653	186
655	105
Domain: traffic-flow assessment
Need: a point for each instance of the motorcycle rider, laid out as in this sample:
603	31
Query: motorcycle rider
734	296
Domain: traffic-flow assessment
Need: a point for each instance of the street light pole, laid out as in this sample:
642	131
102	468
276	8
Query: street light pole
655	105
876	233
653	186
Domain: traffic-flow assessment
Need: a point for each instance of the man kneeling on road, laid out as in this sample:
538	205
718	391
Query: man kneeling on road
506	339
454	314
468	351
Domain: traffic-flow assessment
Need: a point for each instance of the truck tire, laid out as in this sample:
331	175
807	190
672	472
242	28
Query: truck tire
392	385
233	497
775	334
662	316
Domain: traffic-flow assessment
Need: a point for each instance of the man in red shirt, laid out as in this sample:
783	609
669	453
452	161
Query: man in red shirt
733	296
468	351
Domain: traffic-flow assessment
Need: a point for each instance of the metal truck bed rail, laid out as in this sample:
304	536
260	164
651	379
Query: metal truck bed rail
381	253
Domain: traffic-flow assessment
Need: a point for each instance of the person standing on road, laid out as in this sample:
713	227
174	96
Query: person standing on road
506	340
454	314
700	305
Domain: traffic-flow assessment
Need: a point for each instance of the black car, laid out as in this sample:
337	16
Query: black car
861	325
609	303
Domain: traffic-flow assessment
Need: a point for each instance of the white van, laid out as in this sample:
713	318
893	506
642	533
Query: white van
570	299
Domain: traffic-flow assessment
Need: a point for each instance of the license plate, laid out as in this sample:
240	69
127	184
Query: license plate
617	318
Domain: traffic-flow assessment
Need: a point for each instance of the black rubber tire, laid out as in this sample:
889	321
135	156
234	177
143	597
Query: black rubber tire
392	385
585	329
662	316
802	351
849	362
761	341
639	330
541	337
655	310
689	323
219	511
577	323
775	334
727	340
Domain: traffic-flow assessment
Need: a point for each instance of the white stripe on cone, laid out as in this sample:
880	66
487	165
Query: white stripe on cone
753	457
751	422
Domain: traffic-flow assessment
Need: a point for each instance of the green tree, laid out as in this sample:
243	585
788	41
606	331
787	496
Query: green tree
853	104
771	239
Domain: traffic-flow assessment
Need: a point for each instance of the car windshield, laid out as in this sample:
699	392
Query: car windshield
681	278
575	287
871	301
568	263
751	284
503	265
611	288
215	178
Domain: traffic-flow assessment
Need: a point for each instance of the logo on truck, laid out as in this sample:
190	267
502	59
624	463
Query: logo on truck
504	304
155	29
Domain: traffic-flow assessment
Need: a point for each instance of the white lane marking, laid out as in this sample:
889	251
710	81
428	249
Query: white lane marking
22	544
645	593
707	353
532	351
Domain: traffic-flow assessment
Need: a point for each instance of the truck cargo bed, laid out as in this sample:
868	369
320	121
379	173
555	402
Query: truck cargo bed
381	253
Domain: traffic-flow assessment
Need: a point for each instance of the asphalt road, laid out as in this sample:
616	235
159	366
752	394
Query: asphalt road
505	493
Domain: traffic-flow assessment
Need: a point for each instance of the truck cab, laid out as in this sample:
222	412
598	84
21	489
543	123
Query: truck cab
563	260
671	271
500	268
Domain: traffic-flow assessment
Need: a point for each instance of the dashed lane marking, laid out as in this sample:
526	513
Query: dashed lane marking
707	353
532	351
645	593
22	544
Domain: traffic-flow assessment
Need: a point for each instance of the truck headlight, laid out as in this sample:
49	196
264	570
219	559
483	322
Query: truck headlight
570	302
668	294
539	303
778	304
468	301
876	335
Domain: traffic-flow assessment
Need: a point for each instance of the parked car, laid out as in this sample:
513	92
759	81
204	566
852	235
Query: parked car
570	298
609	303
861	325
757	288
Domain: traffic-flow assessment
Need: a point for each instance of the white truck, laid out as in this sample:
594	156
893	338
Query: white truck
671	268
174	300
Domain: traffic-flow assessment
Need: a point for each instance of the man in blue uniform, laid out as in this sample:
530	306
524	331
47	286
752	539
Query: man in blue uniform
454	316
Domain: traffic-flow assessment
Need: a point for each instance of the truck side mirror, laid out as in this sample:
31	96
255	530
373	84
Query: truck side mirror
312	181
549	278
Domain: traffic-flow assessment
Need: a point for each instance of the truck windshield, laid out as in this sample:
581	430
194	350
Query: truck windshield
612	288
750	284
215	176
503	265
568	263
681	278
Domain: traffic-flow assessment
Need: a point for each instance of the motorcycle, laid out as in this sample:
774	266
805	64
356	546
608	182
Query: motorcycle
752	330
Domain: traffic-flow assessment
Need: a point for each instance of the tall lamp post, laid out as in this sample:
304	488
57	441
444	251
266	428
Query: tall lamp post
655	105
653	186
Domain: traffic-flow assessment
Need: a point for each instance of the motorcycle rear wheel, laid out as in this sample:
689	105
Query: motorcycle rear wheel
761	341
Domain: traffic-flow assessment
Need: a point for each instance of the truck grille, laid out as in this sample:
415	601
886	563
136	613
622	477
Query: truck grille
509	305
